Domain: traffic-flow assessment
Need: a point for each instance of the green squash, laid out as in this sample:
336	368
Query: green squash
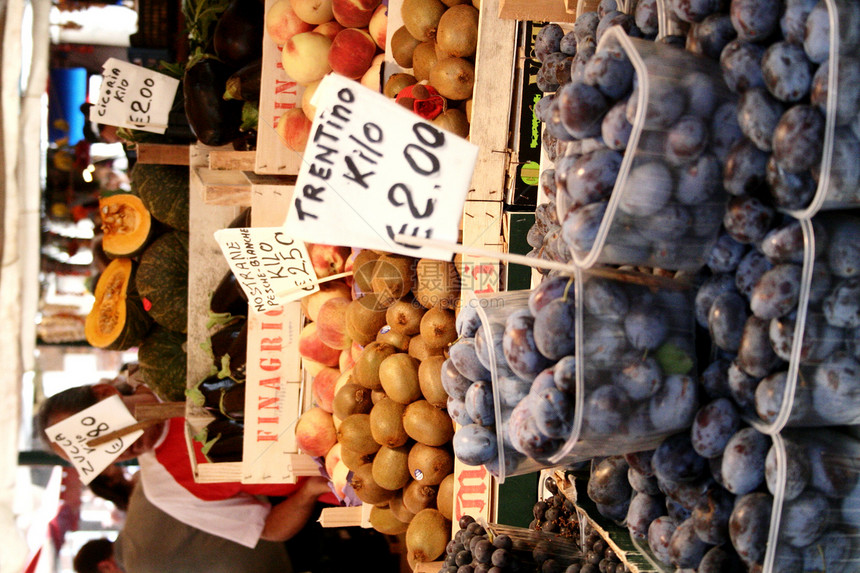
162	280
164	191
117	320
163	362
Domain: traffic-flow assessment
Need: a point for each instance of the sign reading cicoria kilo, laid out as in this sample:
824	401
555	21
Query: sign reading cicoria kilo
373	169
133	96
270	266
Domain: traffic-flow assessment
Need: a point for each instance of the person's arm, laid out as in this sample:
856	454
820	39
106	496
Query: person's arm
289	517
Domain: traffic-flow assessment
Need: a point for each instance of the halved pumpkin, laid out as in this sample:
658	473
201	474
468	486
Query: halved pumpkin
126	224
117	320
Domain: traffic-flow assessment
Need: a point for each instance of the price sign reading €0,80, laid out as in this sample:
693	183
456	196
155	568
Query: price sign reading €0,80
73	433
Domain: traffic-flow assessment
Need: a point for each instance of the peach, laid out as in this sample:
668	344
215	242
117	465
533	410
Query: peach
294	129
345	362
313	11
327	260
354	13
308	108
329	29
331	458
355	350
351	53
346	377
310	346
339	478
378	25
331	323
372	78
312	367
315	433
305	57
322	387
282	23
311	303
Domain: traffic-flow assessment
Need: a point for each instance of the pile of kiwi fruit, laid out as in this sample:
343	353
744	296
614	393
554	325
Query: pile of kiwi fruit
390	408
436	46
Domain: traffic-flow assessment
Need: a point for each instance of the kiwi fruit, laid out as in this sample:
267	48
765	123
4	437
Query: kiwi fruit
453	78
366	487
351	399
427	535
457	33
423	60
377	395
476	4
398	375
402	45
364	318
418	349
453	120
397	82
386	423
418	497
426	423
353	459
429	464
391	467
404	316
354	434
444	497
366	368
438	327
385	521
399	510
430	381
450	3
395	339
467	109
436	283
393	277
421	17
362	269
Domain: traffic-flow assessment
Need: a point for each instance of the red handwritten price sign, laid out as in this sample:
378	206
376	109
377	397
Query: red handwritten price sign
73	433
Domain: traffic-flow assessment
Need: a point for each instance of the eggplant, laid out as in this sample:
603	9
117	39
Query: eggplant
221	340
214	120
229	297
238	352
244	84
224	439
243	219
238	37
232	402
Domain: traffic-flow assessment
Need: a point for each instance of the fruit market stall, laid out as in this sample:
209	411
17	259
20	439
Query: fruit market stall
684	369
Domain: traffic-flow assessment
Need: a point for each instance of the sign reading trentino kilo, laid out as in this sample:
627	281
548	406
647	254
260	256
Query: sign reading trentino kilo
373	170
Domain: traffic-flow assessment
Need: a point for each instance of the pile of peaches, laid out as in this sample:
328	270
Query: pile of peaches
321	36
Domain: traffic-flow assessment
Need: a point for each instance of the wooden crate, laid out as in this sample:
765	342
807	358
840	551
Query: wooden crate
278	93
538	10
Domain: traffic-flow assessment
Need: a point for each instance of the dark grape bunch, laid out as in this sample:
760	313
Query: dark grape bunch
474	550
598	557
555	514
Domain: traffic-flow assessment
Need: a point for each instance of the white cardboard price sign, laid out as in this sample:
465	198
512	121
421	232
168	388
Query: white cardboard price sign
73	433
133	96
373	169
271	267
